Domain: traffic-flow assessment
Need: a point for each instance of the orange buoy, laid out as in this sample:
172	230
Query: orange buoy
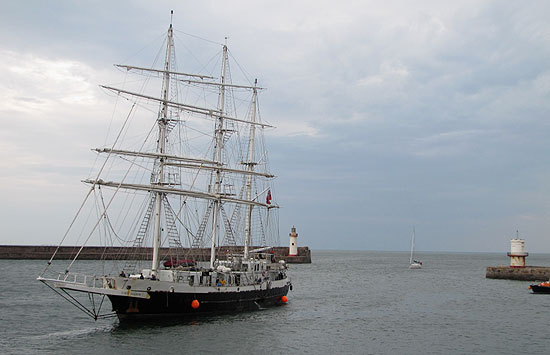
284	299
195	304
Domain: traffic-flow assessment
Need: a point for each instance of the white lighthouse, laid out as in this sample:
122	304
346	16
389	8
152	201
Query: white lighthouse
517	253
293	248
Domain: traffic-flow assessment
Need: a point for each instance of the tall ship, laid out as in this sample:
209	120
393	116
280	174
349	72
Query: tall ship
186	172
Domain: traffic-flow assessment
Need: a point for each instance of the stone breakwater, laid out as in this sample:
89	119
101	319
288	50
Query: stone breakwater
45	252
528	273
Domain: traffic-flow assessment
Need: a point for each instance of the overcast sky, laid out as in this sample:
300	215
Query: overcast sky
390	114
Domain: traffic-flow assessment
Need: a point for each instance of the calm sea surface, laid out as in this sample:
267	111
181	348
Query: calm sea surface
345	302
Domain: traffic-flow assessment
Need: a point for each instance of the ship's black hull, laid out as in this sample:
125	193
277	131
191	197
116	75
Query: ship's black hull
180	304
539	289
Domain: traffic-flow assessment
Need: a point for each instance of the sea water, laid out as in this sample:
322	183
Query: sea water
344	302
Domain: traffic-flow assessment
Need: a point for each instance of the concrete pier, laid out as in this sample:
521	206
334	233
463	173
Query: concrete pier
45	252
527	273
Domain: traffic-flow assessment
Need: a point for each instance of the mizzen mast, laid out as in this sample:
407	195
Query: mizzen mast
250	163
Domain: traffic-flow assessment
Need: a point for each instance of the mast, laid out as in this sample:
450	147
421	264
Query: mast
161	149
412	247
218	157
250	163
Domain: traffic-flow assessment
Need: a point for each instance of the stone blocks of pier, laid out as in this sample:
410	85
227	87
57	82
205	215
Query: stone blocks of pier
527	273
44	252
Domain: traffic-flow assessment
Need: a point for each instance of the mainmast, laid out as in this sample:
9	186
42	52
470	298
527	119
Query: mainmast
250	163
161	149
218	157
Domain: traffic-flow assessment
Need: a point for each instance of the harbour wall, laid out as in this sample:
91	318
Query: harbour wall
527	273
45	252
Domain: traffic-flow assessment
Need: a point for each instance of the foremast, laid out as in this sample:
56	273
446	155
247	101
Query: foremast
161	149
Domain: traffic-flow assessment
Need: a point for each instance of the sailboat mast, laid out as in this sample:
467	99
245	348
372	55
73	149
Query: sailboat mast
218	157
248	222
412	247
161	148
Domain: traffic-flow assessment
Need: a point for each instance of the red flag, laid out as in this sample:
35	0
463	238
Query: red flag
268	198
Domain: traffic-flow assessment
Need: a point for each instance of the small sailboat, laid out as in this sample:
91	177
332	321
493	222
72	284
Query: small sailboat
414	264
